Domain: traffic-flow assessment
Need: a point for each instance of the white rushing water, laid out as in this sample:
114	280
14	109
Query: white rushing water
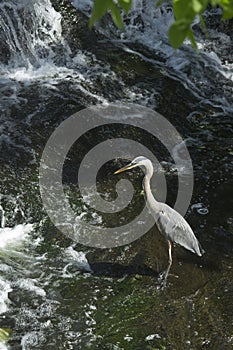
148	25
31	31
36	50
11	236
10	241
32	276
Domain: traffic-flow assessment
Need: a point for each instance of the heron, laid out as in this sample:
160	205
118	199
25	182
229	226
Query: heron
169	222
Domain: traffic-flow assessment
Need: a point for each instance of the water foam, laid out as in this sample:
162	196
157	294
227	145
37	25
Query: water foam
5	289
76	258
32	32
13	236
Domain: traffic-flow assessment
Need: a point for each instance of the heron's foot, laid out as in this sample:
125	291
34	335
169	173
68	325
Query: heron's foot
163	277
162	282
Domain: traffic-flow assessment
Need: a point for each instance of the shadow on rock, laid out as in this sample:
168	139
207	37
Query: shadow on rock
109	269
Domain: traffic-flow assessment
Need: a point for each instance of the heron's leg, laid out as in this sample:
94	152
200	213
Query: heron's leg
169	264
169	252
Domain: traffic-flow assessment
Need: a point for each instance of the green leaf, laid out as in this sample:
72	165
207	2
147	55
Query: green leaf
178	32
227	9
214	2
203	24
159	3
183	9
125	5
116	15
197	6
101	7
227	15
192	38
99	10
4	334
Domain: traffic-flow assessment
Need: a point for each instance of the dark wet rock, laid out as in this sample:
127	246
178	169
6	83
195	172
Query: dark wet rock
218	33
230	224
75	27
5	52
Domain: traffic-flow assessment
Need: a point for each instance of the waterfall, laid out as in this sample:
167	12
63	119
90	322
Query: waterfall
30	33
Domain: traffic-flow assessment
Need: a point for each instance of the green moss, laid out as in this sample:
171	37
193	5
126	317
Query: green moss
122	318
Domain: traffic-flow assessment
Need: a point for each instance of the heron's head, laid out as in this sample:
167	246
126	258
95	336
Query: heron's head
141	162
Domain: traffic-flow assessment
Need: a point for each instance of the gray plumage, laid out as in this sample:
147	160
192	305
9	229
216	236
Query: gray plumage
169	222
176	229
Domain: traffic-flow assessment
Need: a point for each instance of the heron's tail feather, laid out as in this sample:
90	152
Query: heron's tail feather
200	250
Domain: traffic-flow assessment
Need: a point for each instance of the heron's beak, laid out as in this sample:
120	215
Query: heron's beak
127	167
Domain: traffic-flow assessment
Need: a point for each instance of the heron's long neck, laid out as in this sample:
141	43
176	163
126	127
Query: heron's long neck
151	202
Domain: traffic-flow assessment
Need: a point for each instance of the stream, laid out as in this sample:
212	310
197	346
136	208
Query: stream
56	293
